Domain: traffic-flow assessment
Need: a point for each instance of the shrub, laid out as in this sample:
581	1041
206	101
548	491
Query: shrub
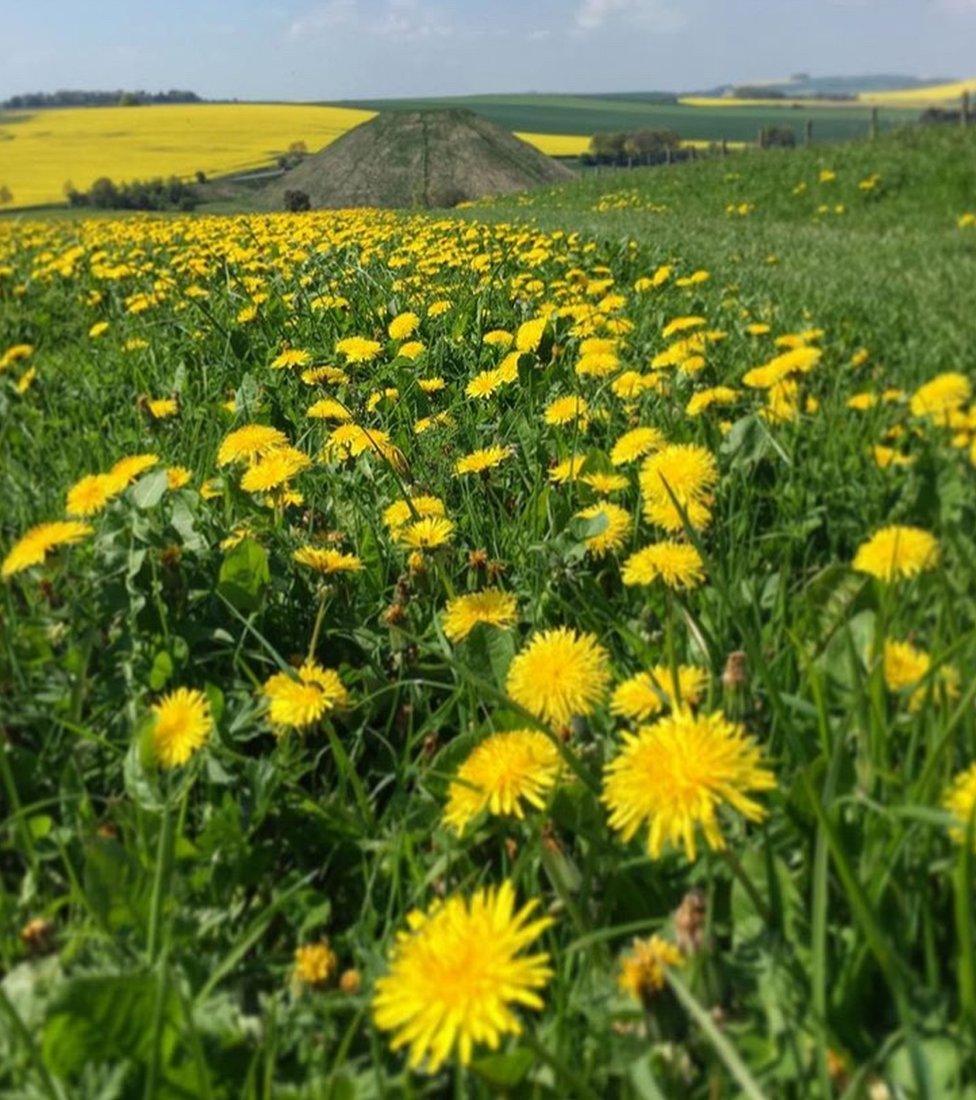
296	201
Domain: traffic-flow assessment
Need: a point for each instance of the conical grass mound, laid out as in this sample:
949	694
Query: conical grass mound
418	159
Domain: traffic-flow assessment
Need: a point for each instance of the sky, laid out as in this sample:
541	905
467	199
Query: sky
346	49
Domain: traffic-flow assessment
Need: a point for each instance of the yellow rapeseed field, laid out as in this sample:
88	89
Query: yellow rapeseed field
934	95
40	152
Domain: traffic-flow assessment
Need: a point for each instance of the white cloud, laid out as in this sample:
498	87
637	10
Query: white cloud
406	20
662	15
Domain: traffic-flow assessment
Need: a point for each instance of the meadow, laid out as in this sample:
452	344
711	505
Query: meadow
42	151
527	651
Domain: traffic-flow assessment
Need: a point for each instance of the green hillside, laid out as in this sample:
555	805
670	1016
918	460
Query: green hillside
584	114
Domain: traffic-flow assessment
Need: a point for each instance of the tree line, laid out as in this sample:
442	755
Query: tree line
153	194
65	97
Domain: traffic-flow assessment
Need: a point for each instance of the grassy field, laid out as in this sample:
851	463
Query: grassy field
44	150
416	569
584	115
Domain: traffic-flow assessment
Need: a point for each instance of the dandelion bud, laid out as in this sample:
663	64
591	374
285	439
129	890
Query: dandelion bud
350	981
689	922
37	935
736	674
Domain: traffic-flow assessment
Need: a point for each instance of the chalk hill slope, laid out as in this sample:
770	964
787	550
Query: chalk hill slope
418	159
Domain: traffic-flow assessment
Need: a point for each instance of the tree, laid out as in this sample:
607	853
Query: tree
296	201
607	146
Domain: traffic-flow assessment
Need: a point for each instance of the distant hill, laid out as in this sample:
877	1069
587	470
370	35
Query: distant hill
417	158
803	84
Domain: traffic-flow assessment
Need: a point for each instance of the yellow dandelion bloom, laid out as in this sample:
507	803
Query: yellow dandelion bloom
705	399
358	349
484	384
681	474
177	477
894	552
315	963
99	328
162	408
566	410
616	527
682	324
456	973
403	325
34	546
650	693
643	969
504	771
431	385
328	409
291	356
427	533
960	800
677	564
400	512
675	775
904	665
529	334
90	494
249	443
559	674
463	613
498	338
274	469
299	699
478	461
566	470
597	364
635	444
182	723
127	469
605	483
940	396
326	560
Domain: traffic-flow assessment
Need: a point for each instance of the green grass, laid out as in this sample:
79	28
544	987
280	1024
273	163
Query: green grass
581	114
837	954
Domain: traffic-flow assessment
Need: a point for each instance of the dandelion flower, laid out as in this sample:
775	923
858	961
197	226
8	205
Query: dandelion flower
315	963
300	699
895	552
89	496
357	349
455	975
249	443
649	693
635	444
463	613
291	357
400	512
566	410
504	771
940	396
604	484
127	469
960	801
427	533
182	725
680	474
559	674
34	546
328	409
177	477
403	325
643	969
528	337
674	776
274	469
677	564
326	560
567	470
615	529
484	384
478	461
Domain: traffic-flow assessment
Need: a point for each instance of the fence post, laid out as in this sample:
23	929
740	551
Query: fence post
808	133
667	154
964	113
725	148
873	129
761	139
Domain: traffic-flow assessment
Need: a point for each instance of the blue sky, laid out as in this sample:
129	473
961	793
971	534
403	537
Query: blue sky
331	49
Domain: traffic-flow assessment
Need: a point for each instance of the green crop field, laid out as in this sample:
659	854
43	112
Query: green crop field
523	651
565	114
